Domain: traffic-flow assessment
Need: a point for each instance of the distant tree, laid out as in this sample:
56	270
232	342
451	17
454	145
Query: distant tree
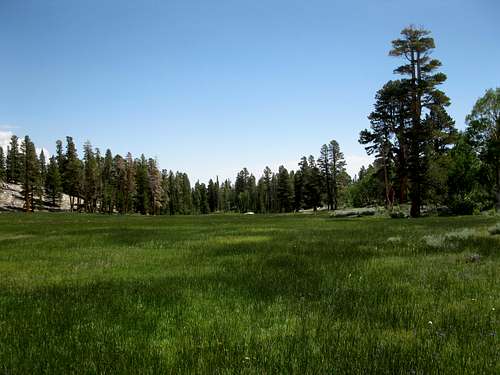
155	187
53	182
172	194
91	177
184	193
227	196
29	173
3	171
129	189
267	189
13	162
42	167
213	195
120	183
107	183
72	172
242	190
484	131
312	183
285	197
415	46
337	163
142	185
201	196
325	168
60	158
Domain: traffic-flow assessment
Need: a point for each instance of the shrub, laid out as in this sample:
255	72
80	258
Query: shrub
398	215
462	205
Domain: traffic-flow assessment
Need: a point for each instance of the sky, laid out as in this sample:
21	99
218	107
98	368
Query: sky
210	87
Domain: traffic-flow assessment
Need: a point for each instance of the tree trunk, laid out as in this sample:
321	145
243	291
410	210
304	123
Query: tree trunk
415	201
386	183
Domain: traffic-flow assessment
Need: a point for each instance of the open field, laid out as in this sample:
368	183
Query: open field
249	294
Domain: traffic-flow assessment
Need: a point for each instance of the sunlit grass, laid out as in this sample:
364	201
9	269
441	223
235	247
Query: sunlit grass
251	294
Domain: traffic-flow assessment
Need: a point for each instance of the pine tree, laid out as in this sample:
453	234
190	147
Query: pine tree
42	167
324	165
91	175
107	183
72	172
201	198
29	173
120	183
53	182
155	187
13	162
267	177
142	185
213	196
60	158
337	163
241	189
3	172
227	196
416	46
284	190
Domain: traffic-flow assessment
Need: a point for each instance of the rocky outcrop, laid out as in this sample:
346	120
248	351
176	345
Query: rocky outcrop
11	199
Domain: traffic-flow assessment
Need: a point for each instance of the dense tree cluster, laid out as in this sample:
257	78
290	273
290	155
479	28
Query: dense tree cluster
420	157
108	184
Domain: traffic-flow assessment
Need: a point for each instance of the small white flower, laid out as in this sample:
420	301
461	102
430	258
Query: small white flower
430	322
247	358
492	309
474	299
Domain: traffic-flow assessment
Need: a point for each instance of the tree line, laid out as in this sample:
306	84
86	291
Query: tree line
111	183
420	159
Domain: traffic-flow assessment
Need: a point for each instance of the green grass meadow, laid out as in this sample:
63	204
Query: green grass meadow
303	294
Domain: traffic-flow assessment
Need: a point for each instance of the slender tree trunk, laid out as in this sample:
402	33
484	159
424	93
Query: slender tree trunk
386	183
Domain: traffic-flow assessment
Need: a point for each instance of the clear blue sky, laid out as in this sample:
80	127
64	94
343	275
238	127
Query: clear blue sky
209	87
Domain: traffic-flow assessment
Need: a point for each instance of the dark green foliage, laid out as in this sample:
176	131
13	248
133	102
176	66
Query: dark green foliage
3	171
200	199
30	173
416	46
387	139
142	185
155	187
338	174
324	164
312	182
13	161
484	133
107	183
411	132
284	191
53	182
42	167
91	178
213	195
72	173
368	189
